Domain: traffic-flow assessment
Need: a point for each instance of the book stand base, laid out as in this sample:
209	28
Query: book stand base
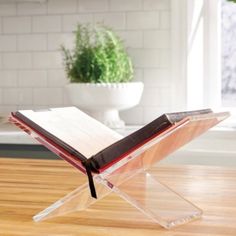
140	188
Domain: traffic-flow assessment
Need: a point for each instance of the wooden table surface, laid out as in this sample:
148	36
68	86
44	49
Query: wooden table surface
28	186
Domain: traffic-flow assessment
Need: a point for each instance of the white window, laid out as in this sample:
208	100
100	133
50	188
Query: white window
205	82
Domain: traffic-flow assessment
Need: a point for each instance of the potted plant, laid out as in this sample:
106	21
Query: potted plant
100	73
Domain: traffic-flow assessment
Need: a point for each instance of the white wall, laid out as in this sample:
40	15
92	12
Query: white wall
31	71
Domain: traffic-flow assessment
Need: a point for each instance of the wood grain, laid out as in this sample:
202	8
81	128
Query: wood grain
28	186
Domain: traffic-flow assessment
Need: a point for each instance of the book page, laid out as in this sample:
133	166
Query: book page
72	126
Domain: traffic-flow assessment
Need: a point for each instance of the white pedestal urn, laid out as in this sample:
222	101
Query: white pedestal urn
103	101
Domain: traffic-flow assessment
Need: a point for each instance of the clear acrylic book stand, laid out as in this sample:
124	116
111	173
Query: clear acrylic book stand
130	177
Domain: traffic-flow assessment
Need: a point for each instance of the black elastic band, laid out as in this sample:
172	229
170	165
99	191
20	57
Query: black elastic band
90	178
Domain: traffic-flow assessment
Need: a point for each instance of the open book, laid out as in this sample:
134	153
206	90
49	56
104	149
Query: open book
86	143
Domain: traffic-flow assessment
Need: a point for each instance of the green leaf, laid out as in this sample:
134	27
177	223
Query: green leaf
98	56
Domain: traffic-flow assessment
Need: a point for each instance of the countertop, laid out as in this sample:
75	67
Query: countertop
27	186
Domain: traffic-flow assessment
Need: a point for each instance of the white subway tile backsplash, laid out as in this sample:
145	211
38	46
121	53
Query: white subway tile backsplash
156	96
7	43
156	77
1	98
164	58
132	39
36	42
57	78
114	20
0	61
10	96
156	5
47	60
31	8
16	61
62	6
156	39
153	112
32	74
143	20
45	24
165	20
17	96
133	116
93	5
25	107
70	22
6	109
16	25
48	96
32	78
145	58
124	5
25	96
56	40
8	78
7	9
66	100
138	74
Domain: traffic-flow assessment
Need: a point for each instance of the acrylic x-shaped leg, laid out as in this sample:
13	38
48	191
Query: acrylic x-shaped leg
140	188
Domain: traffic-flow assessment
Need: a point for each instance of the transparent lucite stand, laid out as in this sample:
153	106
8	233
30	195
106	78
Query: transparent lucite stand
131	180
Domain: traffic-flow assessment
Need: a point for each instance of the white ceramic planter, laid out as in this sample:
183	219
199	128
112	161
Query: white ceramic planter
104	101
